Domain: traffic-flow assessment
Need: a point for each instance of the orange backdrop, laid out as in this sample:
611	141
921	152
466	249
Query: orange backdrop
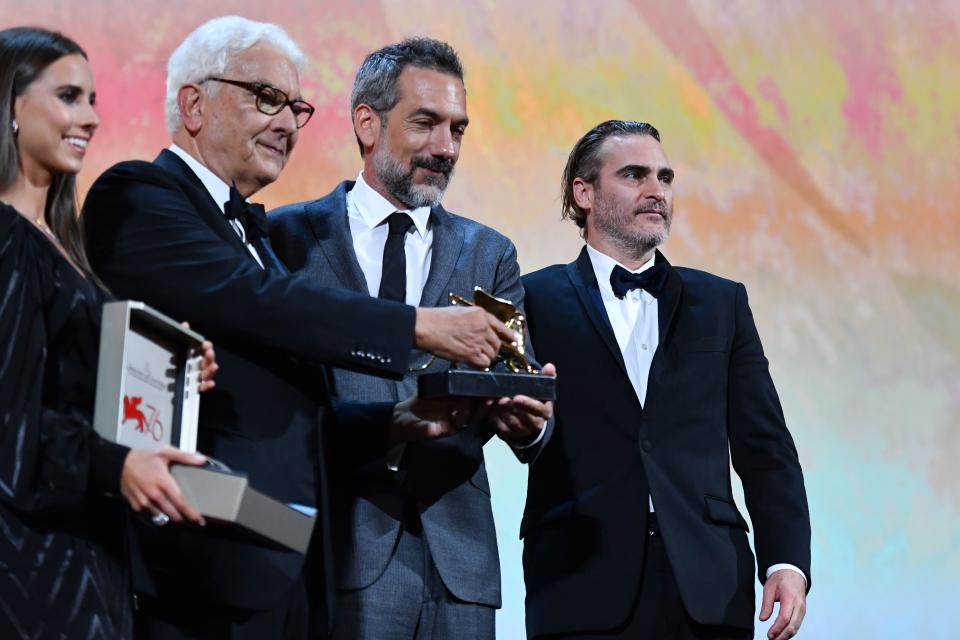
812	142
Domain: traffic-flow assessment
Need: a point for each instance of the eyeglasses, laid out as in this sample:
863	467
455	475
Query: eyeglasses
271	101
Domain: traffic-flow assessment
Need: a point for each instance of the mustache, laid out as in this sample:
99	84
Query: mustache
652	207
440	165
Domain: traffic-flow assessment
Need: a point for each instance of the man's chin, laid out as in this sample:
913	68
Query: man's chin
653	226
648	238
269	169
425	195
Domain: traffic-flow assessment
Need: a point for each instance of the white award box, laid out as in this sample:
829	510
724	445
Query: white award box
147	394
147	397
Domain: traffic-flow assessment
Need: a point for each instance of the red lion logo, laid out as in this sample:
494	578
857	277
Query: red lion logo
131	411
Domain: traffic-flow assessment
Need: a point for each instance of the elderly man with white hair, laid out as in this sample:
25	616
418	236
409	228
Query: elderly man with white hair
179	234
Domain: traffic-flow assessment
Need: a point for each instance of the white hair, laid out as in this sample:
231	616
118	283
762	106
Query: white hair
210	48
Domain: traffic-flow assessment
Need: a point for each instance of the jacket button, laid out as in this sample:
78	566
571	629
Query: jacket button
647	445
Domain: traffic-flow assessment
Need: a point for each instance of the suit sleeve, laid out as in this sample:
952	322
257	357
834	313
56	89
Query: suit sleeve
148	242
763	452
51	459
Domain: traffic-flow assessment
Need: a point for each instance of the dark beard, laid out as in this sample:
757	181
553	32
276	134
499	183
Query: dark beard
613	220
398	180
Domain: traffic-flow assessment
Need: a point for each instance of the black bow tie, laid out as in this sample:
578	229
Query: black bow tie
651	280
253	217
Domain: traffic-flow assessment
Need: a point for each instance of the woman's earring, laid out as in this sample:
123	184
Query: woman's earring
15	127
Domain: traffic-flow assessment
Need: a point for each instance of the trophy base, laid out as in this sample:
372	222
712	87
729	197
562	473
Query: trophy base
486	384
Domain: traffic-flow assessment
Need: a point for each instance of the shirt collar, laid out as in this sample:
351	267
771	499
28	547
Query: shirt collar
603	266
374	209
217	188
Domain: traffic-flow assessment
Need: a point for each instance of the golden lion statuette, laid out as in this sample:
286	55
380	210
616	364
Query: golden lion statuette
513	354
522	377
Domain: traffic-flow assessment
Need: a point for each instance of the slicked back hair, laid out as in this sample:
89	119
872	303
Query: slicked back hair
376	83
586	159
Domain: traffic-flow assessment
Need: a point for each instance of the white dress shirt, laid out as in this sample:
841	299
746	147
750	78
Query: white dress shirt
219	191
636	326
367	212
634	322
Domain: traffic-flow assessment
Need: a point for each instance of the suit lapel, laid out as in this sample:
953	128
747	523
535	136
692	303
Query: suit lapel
667	305
669	301
331	226
207	208
447	243
584	282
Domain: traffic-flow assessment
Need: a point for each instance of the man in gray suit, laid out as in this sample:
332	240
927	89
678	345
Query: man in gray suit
415	545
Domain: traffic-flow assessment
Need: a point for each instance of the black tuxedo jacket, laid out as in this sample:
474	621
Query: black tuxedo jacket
155	234
709	393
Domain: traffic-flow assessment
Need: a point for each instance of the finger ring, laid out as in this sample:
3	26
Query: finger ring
160	519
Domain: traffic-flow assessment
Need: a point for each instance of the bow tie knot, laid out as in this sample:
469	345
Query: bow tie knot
650	280
252	216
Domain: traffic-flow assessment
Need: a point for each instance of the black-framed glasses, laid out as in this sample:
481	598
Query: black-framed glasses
271	101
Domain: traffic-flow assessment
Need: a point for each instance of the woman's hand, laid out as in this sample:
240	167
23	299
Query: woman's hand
147	485
209	367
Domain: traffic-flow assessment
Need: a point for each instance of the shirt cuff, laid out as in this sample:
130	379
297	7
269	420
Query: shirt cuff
521	447
776	567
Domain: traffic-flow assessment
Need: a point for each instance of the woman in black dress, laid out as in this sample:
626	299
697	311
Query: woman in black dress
63	571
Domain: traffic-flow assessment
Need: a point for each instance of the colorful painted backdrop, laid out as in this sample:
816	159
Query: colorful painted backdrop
813	144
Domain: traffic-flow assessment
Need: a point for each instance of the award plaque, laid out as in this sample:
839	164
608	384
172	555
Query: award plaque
148	397
512	371
147	393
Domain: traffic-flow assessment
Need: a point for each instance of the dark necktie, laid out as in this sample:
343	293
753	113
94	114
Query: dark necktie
253	217
651	280
393	281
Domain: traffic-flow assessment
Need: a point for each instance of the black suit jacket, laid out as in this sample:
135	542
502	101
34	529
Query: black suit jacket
709	392
446	479
155	234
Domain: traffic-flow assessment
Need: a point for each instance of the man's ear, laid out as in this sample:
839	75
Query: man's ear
583	194
191	102
366	124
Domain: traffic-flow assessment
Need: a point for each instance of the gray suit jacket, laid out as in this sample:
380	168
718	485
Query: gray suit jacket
445	479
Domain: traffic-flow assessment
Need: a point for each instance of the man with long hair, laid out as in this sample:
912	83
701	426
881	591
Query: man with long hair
630	528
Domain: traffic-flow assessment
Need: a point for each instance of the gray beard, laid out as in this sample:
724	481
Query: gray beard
398	181
613	220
